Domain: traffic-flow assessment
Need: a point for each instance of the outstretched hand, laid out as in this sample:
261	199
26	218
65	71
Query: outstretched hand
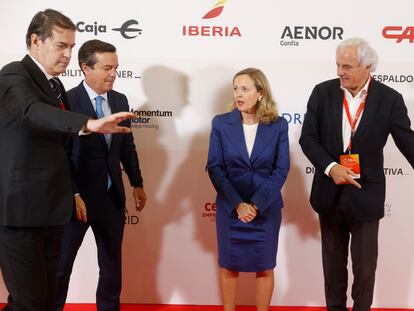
109	124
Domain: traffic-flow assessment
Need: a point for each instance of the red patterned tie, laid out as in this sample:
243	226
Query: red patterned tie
57	89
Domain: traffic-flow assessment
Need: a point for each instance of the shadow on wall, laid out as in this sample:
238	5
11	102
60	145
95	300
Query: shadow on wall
173	244
166	91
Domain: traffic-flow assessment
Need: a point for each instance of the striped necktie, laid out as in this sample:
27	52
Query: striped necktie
57	89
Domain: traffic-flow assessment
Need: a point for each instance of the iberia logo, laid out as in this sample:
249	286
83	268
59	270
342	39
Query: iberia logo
206	29
216	11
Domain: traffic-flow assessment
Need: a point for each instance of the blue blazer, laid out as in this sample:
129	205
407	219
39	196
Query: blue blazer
238	178
91	158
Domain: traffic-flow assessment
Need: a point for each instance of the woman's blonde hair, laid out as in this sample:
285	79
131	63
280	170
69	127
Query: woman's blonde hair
266	107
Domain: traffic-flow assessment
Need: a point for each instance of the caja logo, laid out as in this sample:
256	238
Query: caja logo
399	33
94	28
211	30
127	29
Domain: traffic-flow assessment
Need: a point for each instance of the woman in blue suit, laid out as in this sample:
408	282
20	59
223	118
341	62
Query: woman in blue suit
248	162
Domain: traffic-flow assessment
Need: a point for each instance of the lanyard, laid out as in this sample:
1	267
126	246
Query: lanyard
353	122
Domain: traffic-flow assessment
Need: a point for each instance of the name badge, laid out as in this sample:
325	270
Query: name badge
351	161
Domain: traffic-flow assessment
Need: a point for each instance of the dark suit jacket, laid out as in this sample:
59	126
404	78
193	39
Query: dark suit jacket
34	169
92	160
321	140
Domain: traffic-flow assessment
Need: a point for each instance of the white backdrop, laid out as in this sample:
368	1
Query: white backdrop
178	70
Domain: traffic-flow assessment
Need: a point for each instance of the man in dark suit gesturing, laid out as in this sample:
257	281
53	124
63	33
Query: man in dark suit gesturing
347	123
35	184
97	177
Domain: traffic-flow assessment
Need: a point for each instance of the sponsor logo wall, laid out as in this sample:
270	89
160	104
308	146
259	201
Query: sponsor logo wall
177	59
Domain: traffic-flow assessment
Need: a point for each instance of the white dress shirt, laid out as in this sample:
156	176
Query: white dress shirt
353	104
250	131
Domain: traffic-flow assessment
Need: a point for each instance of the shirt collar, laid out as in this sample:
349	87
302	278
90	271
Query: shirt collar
48	76
361	93
92	94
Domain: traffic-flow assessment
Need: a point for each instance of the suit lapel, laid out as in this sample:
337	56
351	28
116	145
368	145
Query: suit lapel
234	132
40	79
85	105
368	113
265	134
113	105
85	102
337	111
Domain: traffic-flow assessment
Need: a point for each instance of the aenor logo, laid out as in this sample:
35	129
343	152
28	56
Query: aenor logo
292	35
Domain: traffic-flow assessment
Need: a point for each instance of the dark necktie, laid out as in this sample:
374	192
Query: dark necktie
57	89
100	114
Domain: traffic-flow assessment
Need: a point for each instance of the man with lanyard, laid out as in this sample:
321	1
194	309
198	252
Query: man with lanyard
347	123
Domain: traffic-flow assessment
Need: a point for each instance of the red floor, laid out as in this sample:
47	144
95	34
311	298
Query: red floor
91	307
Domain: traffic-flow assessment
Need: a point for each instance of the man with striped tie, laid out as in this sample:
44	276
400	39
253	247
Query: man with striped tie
97	178
35	185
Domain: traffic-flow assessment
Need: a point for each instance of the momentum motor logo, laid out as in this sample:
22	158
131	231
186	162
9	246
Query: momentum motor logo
211	30
149	118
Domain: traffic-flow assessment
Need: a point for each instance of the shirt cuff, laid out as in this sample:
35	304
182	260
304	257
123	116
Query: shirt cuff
328	168
83	131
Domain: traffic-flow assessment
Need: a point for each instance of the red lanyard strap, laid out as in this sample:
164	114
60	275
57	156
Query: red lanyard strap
353	122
